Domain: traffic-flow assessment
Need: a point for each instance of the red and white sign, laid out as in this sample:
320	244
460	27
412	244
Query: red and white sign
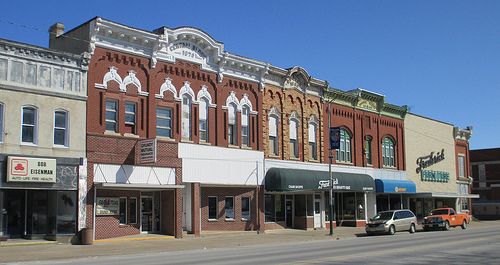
30	169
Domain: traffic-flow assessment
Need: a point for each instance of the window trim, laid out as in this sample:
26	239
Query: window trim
35	125
249	208
117	117
338	151
276	138
294	143
247	127
126	210
369	150
225	214
392	147
313	150
189	108
2	121
460	155
134	124
207	114
216	208
232	128
165	128
66	130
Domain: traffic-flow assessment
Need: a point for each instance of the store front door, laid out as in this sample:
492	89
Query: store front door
317	212
15	206
289	213
146	214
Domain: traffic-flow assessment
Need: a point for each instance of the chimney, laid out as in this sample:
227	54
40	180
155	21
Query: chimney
55	31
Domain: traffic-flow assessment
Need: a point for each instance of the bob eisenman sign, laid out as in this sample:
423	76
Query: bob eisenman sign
30	169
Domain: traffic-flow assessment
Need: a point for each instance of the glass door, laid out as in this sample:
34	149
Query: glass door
146	214
16	212
317	211
289	213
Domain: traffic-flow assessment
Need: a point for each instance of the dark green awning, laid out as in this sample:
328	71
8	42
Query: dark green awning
286	179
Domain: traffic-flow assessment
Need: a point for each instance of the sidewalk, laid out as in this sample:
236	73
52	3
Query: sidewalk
158	243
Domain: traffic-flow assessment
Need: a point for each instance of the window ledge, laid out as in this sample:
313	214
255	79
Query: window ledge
167	139
212	220
112	133
274	156
233	146
245	220
205	143
294	158
29	144
187	141
344	163
131	135
388	167
313	160
247	147
229	220
60	147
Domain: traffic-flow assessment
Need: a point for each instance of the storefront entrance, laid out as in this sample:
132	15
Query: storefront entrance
317	211
150	212
289	213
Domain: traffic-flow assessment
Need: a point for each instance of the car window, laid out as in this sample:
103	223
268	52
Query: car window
398	215
452	212
440	212
410	214
383	216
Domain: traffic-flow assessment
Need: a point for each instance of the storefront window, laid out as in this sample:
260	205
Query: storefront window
123	210
212	208
245	208
310	205
360	206
280	207
300	205
66	213
348	206
133	211
269	208
229	208
382	203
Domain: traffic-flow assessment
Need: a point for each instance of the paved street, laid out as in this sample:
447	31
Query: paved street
477	245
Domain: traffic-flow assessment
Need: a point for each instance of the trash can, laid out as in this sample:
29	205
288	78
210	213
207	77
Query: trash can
87	236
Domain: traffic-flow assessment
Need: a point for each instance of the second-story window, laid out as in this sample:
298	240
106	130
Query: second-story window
61	128
231	130
186	117
461	166
29	125
388	152
111	115
368	149
245	117
203	115
130	117
273	135
344	152
294	146
1	122
313	149
164	122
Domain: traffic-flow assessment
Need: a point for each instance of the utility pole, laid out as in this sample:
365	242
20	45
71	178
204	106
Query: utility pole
330	156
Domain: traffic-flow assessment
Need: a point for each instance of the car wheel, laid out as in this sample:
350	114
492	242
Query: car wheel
392	230
412	228
446	226
426	229
464	225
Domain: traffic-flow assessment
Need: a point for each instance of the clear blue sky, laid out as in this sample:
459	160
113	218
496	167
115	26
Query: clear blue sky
441	58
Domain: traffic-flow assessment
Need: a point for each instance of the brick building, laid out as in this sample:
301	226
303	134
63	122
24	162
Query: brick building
485	170
200	105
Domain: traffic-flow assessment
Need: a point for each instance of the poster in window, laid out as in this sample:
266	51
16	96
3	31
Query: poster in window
107	206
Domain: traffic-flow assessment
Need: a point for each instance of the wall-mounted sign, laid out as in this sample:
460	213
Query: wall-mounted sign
429	160
188	50
30	169
434	176
399	189
147	151
334	138
107	206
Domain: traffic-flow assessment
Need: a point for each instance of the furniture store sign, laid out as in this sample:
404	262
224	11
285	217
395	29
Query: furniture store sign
107	206
147	151
31	169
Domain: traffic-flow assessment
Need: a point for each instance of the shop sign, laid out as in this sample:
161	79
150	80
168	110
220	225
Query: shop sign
30	169
147	151
334	138
435	176
325	184
429	160
399	189
107	206
296	187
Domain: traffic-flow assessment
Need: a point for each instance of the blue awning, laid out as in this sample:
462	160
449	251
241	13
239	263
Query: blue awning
395	186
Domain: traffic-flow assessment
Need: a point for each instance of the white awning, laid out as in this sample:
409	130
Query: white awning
444	195
120	186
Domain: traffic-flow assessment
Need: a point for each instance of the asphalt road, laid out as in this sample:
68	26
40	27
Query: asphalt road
472	246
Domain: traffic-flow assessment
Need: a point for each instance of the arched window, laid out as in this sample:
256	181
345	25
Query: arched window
273	135
368	149
388	152
294	145
245	121
313	147
231	132
29	128
61	121
344	152
203	116
186	116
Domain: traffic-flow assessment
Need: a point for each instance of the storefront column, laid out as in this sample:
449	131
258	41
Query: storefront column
260	209
178	213
195	209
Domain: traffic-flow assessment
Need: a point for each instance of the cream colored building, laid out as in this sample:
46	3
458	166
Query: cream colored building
431	163
43	123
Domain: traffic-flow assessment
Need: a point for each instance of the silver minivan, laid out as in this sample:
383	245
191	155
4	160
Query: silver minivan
392	221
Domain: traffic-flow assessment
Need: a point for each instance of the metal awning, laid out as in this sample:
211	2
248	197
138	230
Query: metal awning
395	186
126	186
286	179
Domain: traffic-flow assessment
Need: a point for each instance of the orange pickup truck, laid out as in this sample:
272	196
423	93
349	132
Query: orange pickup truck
444	218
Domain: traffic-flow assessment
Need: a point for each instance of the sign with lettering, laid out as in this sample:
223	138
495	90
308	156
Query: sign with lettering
429	160
188	50
147	151
435	176
107	206
399	189
31	169
334	138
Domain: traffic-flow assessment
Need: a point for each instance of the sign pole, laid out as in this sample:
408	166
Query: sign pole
330	156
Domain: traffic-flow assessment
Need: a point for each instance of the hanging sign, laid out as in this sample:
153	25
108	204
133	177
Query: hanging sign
334	138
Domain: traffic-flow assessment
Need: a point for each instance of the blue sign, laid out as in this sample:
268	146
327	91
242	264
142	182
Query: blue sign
334	138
